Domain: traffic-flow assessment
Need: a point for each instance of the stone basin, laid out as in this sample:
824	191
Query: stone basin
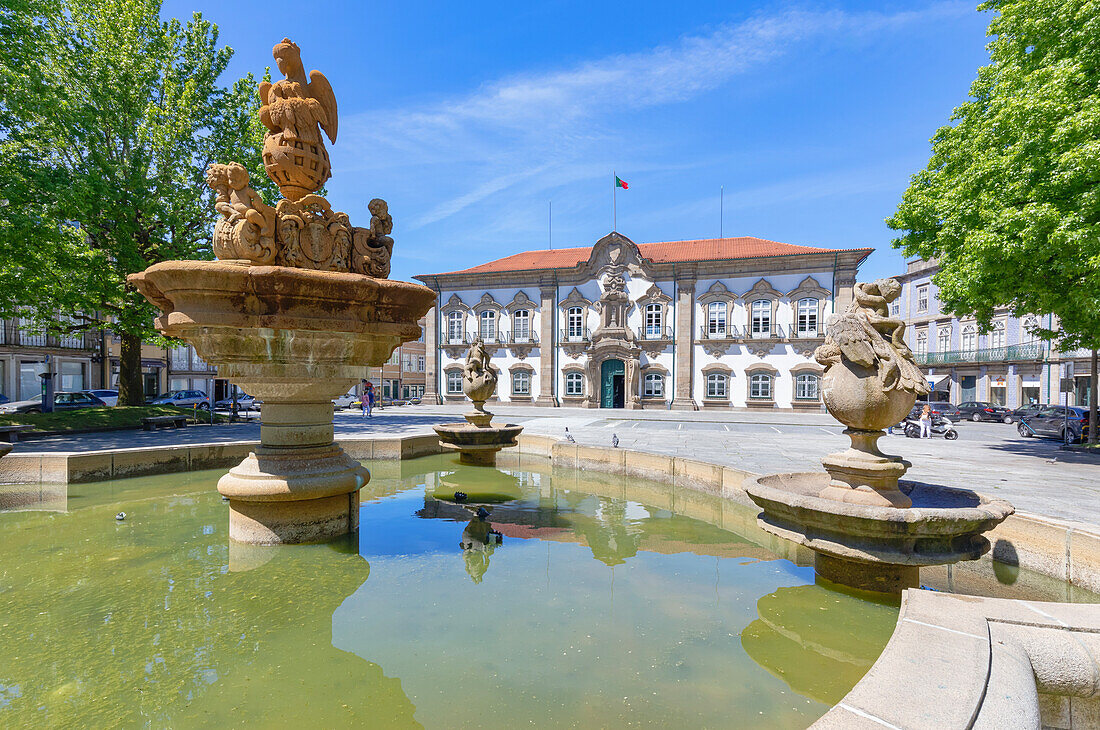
295	338
871	546
477	444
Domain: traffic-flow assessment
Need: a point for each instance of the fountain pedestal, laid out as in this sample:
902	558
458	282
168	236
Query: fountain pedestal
295	339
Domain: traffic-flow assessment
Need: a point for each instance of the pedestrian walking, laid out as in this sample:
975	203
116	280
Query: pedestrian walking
363	397
368	399
926	422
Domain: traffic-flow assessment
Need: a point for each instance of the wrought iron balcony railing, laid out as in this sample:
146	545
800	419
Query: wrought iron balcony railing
655	333
1029	351
773	332
723	332
523	339
574	334
808	334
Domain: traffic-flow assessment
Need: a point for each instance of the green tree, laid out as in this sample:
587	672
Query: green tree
1010	201
108	120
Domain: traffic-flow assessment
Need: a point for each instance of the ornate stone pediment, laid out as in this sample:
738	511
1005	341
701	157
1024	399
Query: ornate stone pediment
575	299
614	252
454	303
486	302
718	292
521	301
762	290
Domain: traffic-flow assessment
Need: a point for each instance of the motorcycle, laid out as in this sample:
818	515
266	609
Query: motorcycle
940	427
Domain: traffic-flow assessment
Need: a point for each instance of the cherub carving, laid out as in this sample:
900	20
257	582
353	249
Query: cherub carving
866	335
479	377
247	227
373	247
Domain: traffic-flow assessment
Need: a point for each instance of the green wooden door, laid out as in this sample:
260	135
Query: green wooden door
612	373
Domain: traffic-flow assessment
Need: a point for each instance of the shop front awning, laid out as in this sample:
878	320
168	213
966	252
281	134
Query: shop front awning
939	382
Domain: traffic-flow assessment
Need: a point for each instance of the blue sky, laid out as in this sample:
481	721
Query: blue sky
470	117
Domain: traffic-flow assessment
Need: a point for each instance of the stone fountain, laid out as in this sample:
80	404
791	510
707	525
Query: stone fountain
867	528
478	440
295	307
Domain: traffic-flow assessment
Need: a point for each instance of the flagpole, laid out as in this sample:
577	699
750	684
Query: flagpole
614	200
721	210
550	228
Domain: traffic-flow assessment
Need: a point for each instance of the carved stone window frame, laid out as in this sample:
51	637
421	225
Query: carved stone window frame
717	292
454	304
447	394
805	368
760	291
809	288
524	368
654	295
565	371
654	368
760	368
716	368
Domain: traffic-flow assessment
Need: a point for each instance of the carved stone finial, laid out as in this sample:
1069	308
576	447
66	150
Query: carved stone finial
294	110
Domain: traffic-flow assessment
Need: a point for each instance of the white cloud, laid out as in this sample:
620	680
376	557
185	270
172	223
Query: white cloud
553	128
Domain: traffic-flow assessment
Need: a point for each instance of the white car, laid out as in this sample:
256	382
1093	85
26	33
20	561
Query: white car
110	397
344	401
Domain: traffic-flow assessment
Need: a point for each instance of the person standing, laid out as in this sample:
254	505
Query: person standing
363	395
926	422
368	399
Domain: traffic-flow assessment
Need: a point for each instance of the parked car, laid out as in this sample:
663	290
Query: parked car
1024	412
110	397
4	399
345	401
244	403
183	399
61	402
1057	421
982	411
938	409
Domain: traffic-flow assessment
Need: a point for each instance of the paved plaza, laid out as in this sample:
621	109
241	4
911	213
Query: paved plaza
1033	474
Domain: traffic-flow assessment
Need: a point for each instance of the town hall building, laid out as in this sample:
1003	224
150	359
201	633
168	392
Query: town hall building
715	323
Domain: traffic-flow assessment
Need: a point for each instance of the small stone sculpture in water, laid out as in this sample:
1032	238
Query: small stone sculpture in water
477	440
865	531
871	382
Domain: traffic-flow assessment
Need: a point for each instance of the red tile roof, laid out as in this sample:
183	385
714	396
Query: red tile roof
662	252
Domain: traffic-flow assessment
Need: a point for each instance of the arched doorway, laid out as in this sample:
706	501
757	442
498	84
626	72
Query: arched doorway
612	383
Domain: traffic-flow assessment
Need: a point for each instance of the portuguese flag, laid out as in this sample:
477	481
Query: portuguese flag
621	183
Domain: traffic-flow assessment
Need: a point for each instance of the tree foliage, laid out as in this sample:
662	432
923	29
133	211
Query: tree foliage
1010	201
108	118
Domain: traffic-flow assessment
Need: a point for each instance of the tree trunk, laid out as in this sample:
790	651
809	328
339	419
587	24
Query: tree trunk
130	390
1092	401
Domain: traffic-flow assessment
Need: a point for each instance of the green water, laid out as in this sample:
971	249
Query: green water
610	603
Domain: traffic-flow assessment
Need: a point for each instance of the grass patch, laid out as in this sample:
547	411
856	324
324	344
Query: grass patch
94	419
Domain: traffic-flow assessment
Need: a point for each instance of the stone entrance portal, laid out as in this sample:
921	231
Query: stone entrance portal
612	383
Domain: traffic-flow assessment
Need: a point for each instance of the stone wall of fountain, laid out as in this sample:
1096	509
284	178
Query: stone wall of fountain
293	311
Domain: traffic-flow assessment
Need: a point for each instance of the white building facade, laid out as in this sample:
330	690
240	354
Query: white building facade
716	323
1009	365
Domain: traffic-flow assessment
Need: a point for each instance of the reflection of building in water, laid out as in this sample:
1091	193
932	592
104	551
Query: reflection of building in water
819	641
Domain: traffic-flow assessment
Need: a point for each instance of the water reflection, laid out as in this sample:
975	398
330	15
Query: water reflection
613	602
818	640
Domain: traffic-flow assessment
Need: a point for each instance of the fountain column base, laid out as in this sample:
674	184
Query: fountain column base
877	577
298	486
864	475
